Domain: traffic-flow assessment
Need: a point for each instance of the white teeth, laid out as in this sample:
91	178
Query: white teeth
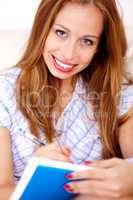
63	65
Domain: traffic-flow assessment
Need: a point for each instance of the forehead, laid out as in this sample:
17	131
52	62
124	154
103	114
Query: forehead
83	18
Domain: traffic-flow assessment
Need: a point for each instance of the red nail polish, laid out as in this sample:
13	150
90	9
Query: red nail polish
69	176
68	188
88	162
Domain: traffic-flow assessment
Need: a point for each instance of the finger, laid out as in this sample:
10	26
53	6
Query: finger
67	151
89	197
54	146
94	197
91	173
91	188
62	149
107	163
44	150
57	156
52	152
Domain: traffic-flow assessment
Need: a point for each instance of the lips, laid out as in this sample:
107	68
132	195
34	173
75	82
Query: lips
61	66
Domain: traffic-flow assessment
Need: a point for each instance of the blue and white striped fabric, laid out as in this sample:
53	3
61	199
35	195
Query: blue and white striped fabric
77	126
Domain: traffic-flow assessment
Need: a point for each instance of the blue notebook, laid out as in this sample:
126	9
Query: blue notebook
43	179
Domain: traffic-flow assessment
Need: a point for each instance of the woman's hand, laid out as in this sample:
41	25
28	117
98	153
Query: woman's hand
89	197
54	152
109	179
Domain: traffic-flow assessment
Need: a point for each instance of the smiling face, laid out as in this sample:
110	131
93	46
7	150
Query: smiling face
73	40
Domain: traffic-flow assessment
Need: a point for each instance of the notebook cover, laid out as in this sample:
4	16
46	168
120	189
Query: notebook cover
44	179
47	184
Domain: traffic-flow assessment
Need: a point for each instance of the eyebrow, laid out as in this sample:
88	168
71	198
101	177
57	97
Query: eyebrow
92	36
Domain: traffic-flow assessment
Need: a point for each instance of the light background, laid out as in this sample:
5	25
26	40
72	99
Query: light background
19	14
16	18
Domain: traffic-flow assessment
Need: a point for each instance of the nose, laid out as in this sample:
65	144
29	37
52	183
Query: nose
69	51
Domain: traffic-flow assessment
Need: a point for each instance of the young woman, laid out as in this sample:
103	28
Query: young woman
67	90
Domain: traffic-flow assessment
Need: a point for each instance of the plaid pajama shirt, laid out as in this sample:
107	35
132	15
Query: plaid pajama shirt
76	125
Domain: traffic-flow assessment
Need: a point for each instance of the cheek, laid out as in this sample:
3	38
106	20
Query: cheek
87	57
48	49
50	43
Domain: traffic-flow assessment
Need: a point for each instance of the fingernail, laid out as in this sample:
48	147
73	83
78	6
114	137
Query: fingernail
69	176
68	188
67	151
88	162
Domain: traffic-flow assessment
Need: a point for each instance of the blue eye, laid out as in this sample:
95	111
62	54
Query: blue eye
60	33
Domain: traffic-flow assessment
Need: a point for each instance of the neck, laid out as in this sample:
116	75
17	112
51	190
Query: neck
67	85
